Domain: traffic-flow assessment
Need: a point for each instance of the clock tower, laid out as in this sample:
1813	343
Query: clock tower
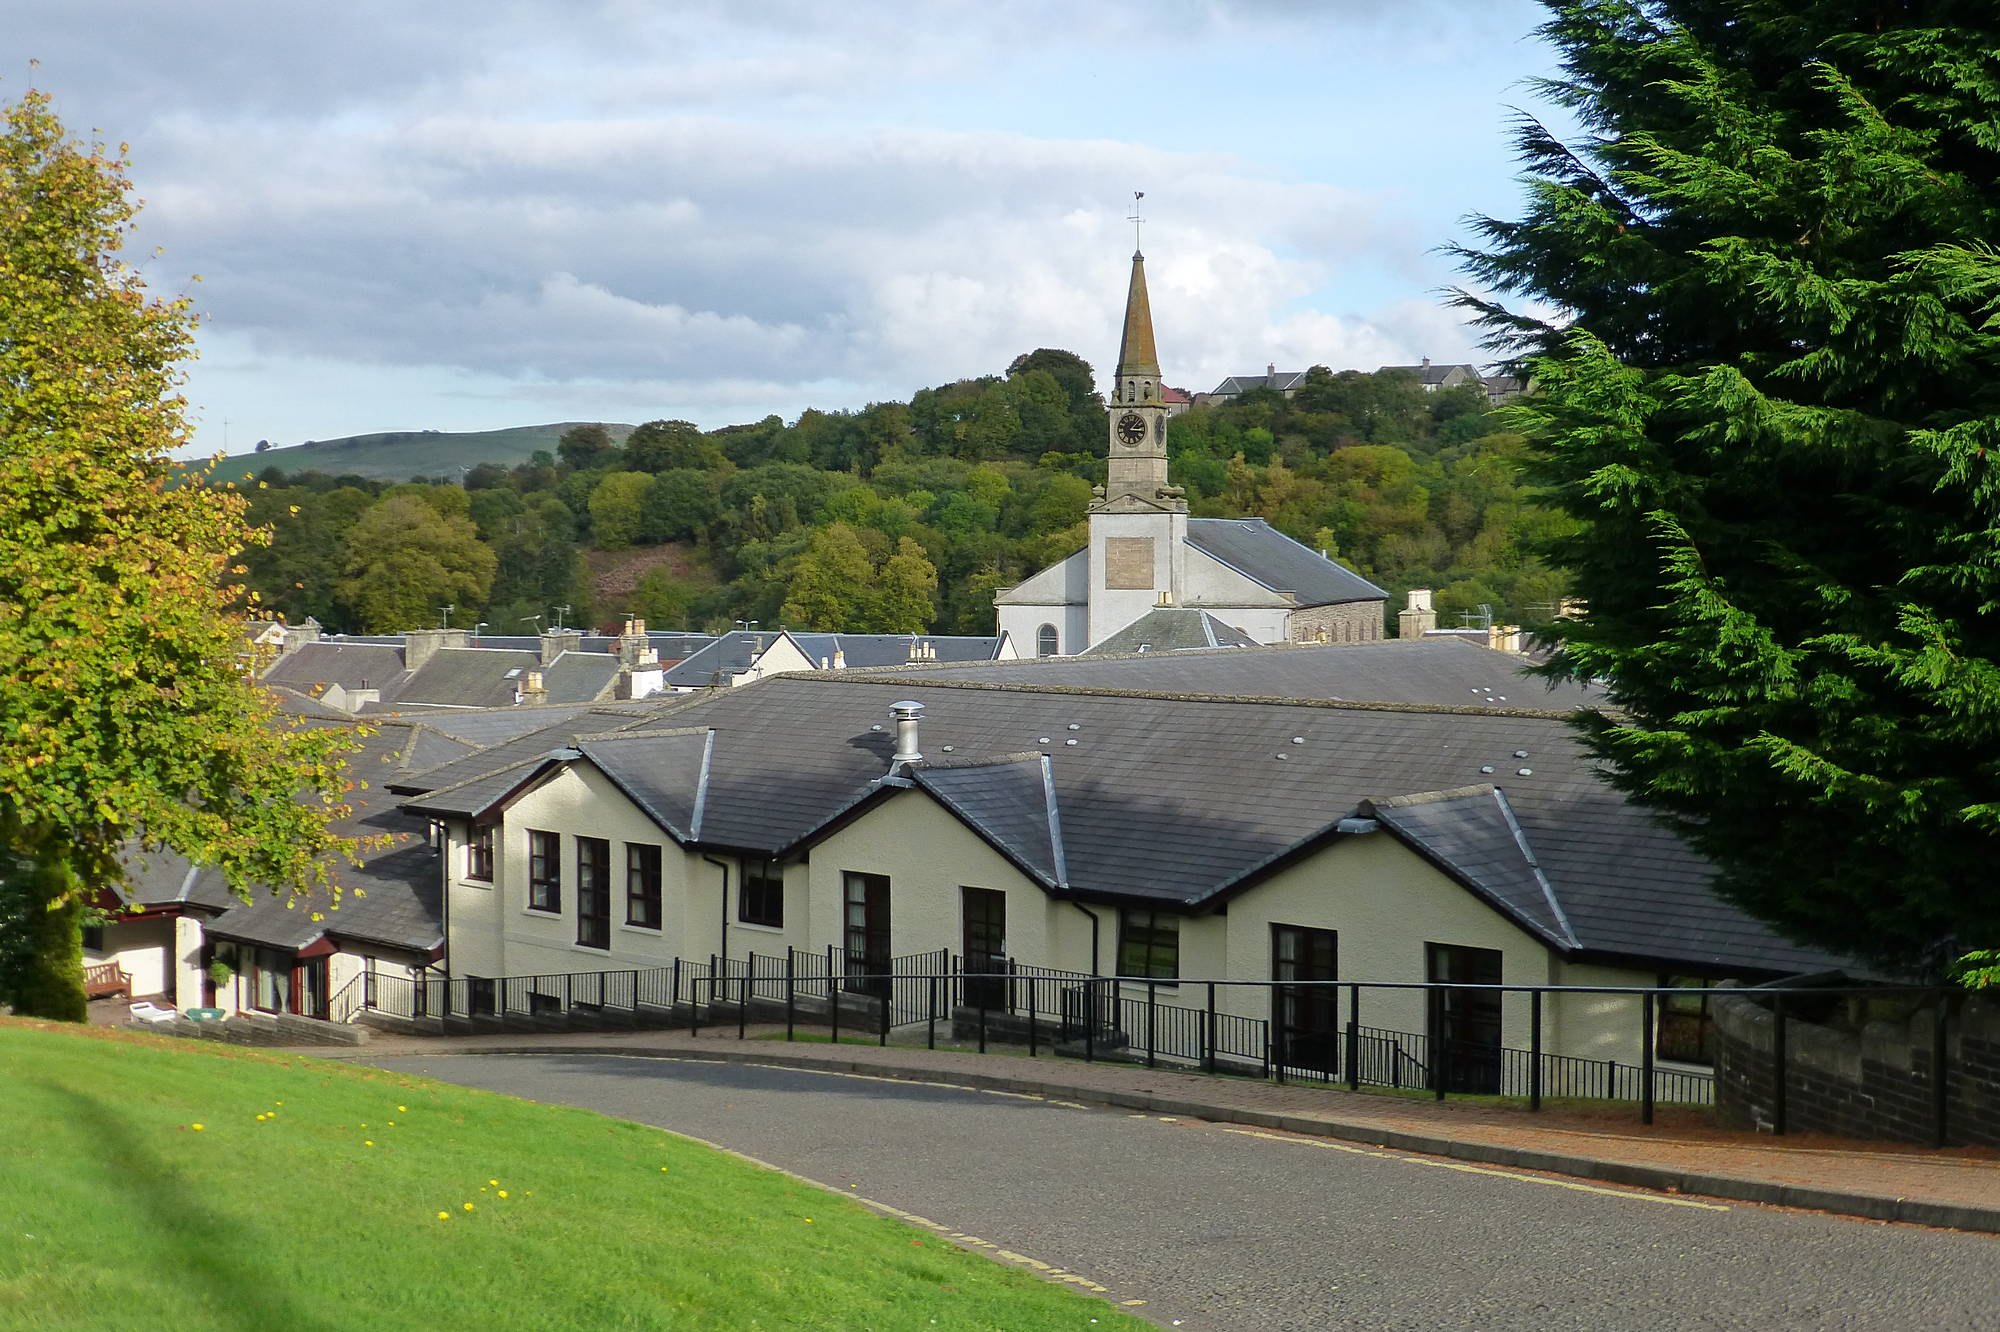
1138	522
1136	480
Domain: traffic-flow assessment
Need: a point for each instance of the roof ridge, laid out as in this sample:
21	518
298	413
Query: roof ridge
658	734
992	761
1432	797
1106	691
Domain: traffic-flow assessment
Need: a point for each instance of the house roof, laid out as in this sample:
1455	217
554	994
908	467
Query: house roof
1011	800
348	664
399	905
664	773
1261	552
861	650
1430	374
1474	834
1444	671
561	728
469	678
719	661
1282	380
1171	629
580	677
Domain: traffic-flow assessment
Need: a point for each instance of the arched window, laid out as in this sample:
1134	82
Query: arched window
1045	641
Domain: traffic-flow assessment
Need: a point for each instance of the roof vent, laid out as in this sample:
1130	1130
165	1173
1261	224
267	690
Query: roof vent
907	714
1524	772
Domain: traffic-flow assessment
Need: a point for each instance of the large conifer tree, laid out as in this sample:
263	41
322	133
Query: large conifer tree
1772	399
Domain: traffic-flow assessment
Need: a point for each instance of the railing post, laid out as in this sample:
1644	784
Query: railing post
888	998
791	991
1090	1021
832	997
930	1011
1440	1043
694	1004
1208	1031
1778	1061
982	1019
1646	1058
1354	1038
1152	1020
675	1001
1534	1049
743	998
1940	1073
1033	983
569	994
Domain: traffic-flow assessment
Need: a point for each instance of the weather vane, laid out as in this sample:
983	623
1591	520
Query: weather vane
1135	219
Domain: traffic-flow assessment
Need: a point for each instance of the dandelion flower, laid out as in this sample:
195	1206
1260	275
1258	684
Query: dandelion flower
260	1119
494	1182
401	1109
663	1170
468	1207
503	1193
368	1142
392	1123
195	1127
444	1216
809	1220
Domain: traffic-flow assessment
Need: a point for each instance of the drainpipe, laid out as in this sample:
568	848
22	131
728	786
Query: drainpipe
723	865
1093	935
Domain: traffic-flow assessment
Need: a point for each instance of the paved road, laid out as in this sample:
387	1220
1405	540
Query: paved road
1232	1231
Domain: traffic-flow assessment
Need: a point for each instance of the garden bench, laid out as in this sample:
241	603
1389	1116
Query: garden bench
106	979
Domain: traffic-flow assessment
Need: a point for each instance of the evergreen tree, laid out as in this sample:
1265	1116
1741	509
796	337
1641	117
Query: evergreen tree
1772	410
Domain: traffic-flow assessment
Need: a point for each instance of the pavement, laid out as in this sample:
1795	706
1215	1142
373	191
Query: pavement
1956	1188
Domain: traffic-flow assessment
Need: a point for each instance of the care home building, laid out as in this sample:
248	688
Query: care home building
1163	838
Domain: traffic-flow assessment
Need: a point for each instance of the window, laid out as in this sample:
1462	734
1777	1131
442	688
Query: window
479	854
762	901
1149	945
1045	641
270	980
544	871
593	892
1683	1030
642	885
93	938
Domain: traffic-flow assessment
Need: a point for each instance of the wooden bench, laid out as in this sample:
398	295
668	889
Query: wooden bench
106	979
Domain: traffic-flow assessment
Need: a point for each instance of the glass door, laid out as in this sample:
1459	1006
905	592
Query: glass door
868	934
985	947
1465	1024
1307	1016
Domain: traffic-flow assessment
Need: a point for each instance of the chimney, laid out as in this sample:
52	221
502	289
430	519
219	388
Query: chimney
1416	619
555	642
632	643
534	691
1271	370
420	645
839	660
907	714
1427	362
298	635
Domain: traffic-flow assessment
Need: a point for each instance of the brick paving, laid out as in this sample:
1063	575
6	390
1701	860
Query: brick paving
1680	1152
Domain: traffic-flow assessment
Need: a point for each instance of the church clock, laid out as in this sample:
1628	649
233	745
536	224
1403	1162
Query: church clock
1131	428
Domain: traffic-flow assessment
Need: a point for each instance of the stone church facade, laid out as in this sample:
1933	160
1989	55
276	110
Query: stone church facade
1145	552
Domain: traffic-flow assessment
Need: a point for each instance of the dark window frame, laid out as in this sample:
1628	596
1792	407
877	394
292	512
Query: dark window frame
593	892
1153	938
761	898
1677	1014
1047	639
479	854
544	871
642	885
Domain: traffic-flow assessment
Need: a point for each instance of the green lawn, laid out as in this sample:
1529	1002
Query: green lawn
139	1189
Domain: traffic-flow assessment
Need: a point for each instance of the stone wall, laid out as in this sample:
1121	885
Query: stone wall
1860	1073
1345	622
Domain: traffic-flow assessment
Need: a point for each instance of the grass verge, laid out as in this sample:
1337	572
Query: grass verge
318	1195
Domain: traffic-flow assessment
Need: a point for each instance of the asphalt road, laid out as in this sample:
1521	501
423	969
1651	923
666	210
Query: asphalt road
1232	1231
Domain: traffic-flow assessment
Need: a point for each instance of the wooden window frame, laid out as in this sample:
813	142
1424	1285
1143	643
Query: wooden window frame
1139	931
544	871
593	892
761	899
642	885
479	854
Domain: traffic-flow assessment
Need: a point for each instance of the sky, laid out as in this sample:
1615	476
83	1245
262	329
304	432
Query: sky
462	216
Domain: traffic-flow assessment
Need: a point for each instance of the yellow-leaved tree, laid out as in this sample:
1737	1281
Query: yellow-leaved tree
127	718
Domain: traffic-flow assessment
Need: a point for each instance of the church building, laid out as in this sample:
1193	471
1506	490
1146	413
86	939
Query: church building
1146	553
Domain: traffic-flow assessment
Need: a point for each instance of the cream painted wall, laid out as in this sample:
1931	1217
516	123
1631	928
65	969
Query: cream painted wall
1605	1026
928	855
188	977
144	948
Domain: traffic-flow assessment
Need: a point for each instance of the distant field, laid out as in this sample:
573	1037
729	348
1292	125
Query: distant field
398	455
150	1182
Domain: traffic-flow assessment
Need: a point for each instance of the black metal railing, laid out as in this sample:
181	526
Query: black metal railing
1130	1018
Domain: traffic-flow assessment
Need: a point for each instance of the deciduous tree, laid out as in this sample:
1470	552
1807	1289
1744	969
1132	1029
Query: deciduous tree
126	717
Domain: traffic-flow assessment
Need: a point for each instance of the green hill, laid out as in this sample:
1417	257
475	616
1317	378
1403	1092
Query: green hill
398	455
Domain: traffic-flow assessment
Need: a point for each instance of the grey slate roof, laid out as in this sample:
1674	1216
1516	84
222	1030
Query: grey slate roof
1473	833
561	728
580	677
348	664
1428	373
664	773
1282	380
862	650
481	726
469	678
1012	801
1443	671
1255	548
1170	629
716	663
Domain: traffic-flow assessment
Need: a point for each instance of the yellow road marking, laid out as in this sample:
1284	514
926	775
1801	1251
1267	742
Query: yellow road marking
1463	1168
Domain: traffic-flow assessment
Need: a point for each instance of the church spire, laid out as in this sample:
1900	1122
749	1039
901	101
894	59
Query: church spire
1136	355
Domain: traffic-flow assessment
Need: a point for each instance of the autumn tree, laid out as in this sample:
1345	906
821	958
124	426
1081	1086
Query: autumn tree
905	600
1771	412
126	719
832	583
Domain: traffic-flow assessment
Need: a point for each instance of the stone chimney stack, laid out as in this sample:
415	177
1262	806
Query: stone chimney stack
555	642
632	644
1414	620
534	691
298	635
420	645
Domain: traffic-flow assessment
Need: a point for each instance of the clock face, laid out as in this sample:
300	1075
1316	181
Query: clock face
1131	428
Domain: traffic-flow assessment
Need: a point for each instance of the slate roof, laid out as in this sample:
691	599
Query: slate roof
469	678
580	677
1170	629
1282	380
1255	548
400	906
716	663
1182	800
1431	374
665	773
482	726
862	650
559	731
348	664
1445	671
